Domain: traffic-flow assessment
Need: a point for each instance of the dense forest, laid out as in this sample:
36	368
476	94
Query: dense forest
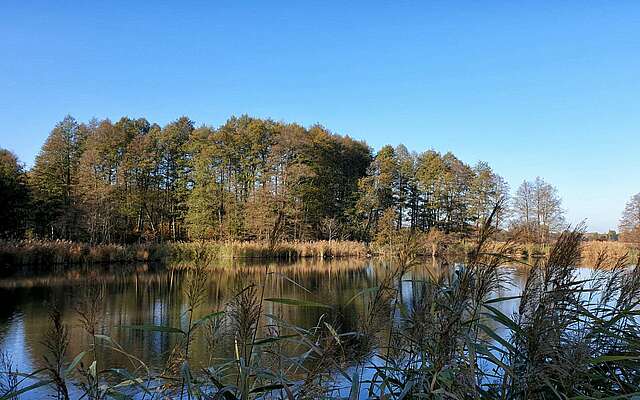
249	179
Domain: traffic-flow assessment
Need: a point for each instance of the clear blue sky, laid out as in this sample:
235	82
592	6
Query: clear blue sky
533	88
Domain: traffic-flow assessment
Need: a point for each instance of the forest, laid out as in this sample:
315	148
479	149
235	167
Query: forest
134	181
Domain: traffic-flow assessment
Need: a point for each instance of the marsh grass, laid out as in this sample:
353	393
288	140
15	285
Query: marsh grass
56	343
49	253
592	250
61	252
569	337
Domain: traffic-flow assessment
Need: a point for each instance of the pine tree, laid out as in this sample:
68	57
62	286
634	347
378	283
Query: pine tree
14	196
54	181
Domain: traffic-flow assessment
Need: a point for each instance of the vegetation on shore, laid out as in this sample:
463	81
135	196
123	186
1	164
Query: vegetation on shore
51	253
254	188
250	179
61	252
569	337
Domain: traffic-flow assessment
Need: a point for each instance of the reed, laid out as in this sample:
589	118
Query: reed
569	338
47	253
61	252
9	378
185	251
592	250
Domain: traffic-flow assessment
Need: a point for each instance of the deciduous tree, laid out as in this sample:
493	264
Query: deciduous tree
630	221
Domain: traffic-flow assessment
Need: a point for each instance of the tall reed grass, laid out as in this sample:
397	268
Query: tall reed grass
37	252
569	337
592	250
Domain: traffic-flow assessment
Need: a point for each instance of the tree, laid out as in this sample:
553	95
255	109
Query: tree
407	195
455	190
54	180
630	221
430	173
487	190
14	196
538	210
254	179
174	169
98	174
376	191
205	201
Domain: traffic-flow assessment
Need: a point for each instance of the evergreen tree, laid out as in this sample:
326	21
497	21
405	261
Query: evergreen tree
54	181
14	196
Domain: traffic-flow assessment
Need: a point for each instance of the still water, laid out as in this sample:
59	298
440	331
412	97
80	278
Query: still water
145	294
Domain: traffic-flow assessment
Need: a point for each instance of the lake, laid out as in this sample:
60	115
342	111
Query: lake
147	294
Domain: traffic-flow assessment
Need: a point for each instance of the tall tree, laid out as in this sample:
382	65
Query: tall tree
630	221
376	191
538	210
175	168
98	183
204	217
430	173
251	178
486	191
14	196
54	180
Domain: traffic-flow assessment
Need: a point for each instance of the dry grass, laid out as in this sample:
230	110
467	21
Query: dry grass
591	251
569	337
38	252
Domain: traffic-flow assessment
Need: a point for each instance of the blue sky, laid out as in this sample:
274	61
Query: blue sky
533	88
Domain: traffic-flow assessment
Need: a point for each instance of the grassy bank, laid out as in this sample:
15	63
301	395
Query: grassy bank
36	252
591	251
568	338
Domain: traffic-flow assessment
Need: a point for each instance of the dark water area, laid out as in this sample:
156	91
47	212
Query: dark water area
146	294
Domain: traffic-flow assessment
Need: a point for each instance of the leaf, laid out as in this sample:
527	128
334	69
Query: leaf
334	333
15	394
117	395
300	303
604	359
130	379
499	299
74	363
268	340
267	388
498	339
154	328
501	318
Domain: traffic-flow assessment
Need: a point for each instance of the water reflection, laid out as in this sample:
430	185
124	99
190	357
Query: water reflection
146	294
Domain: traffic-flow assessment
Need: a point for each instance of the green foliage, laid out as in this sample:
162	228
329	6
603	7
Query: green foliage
569	337
258	179
249	179
427	191
54	180
14	198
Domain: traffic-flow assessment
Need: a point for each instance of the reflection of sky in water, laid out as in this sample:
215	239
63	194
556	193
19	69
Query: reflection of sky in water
156	297
15	338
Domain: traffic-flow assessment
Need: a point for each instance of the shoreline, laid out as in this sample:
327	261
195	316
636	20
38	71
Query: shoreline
60	253
39	252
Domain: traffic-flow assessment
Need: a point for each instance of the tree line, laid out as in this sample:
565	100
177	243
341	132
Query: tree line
250	179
